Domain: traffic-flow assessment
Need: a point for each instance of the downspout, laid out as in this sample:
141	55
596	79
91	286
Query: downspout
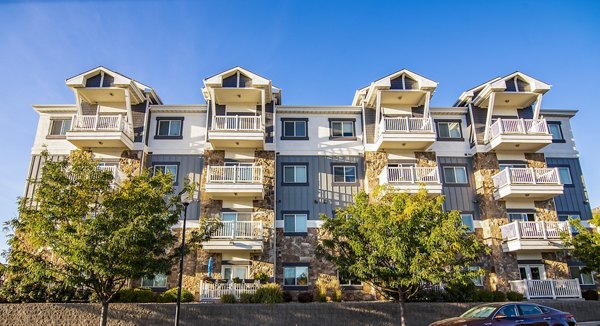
275	213
146	127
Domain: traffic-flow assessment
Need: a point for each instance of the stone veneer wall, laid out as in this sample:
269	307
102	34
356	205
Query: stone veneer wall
264	210
129	163
375	162
426	159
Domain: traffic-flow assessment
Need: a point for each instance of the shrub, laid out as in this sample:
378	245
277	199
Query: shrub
269	293
171	296
262	277
328	288
246	297
305	297
287	297
485	296
514	296
135	295
237	280
460	293
498	296
228	298
590	295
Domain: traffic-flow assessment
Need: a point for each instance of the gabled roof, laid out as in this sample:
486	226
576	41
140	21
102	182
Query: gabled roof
423	83
217	80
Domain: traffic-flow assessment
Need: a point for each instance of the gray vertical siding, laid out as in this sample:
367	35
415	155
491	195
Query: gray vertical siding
574	199
479	117
35	173
321	195
459	197
370	125
269	123
138	113
190	166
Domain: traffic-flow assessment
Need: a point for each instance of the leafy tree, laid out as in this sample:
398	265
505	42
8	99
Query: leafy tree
585	243
398	242
81	230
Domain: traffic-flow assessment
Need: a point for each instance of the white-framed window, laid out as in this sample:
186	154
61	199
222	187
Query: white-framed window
565	175
295	129
455	175
342	129
230	272
166	169
59	127
159	281
295	223
467	220
295	173
347	279
532	272
295	275
584	278
555	130
344	173
449	130
524	217
478	280
168	127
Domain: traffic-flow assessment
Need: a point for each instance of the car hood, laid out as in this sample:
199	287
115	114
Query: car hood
455	321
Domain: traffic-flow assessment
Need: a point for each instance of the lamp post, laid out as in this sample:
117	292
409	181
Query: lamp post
181	252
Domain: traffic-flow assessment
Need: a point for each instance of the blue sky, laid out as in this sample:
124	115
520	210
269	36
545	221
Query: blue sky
318	52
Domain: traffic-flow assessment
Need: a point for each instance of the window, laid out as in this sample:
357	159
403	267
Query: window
230	272
159	281
478	280
508	311
167	168
344	173
584	278
295	275
59	127
532	272
512	166
168	128
347	279
455	174
555	130
295	174
528	310
565	175
294	129
525	217
467	220
341	129
567	217
295	223
449	130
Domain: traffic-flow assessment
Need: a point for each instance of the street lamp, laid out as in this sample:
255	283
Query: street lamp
181	252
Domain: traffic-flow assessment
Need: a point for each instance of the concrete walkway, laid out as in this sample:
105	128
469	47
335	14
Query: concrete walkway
589	323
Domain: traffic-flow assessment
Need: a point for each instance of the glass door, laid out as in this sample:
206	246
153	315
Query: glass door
231	271
532	272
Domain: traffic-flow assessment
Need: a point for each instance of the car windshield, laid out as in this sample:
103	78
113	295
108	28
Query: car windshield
479	312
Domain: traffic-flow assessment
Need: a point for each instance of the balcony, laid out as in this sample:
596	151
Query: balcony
547	289
236	235
223	182
412	179
531	183
101	131
519	134
405	133
213	291
521	236
237	132
114	170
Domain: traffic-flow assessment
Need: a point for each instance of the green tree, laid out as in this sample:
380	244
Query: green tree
585	243
398	242
81	230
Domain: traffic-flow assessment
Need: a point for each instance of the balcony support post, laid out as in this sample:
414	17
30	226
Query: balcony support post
213	109
533	176
263	104
128	106
97	117
553	287
426	105
527	295
545	233
500	126
517	229
377	110
538	107
522	126
488	119
78	102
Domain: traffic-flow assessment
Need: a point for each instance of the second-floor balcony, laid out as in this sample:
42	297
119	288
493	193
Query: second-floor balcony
538	235
531	183
237	131
405	133
236	235
519	134
547	289
234	181
101	131
411	179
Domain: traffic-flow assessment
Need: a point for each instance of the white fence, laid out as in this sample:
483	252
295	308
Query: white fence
236	123
533	230
406	125
518	127
410	175
102	123
526	176
239	230
215	290
535	289
234	174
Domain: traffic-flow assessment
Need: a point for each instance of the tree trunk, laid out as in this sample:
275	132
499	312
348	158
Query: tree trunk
401	301
104	313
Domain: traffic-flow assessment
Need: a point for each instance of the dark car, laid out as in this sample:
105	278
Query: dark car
510	314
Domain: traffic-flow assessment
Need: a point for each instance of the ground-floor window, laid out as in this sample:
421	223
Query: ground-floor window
230	272
159	281
584	278
347	279
525	217
295	275
478	280
532	272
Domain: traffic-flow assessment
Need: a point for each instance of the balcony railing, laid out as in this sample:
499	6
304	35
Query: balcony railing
102	123
540	230
526	176
412	175
406	125
215	290
239	230
518	127
534	289
234	174
237	123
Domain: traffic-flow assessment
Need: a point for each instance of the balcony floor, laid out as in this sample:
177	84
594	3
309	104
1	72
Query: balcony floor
105	139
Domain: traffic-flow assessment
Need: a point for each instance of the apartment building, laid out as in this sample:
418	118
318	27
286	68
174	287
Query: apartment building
269	171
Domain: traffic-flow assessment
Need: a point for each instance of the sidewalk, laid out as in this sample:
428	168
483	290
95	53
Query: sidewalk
588	323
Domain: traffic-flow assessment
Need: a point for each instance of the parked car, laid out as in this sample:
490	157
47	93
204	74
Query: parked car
510	314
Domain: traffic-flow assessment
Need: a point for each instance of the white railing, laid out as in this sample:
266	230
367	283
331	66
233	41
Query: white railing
102	123
534	289
410	175
533	230
405	125
239	230
526	176
234	174
518	127
236	123
215	290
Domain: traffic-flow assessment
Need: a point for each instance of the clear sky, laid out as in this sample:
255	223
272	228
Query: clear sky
318	52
